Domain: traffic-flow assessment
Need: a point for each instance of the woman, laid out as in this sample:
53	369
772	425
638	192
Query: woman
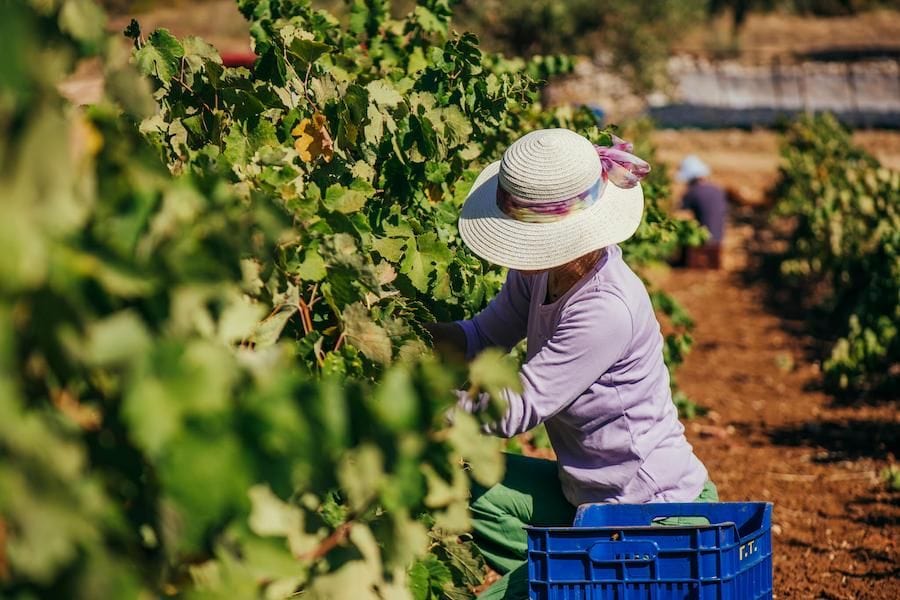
552	211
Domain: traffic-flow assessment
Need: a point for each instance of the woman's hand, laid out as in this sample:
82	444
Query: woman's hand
449	340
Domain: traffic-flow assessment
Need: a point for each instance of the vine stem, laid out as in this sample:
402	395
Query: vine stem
312	296
306	84
304	316
306	309
297	75
329	543
340	340
180	79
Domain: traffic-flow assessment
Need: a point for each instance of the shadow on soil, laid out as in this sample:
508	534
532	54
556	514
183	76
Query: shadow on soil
843	440
867	555
876	575
877	511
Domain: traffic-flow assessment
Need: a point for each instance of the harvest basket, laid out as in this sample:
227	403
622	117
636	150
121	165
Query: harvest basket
616	552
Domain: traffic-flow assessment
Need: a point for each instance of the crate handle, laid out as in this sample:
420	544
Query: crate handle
623	551
718	513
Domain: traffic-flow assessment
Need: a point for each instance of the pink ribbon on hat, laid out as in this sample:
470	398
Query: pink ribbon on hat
617	164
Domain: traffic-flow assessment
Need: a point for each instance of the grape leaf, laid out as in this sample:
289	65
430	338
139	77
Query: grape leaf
312	139
347	199
84	20
395	403
390	248
361	331
307	51
270	516
382	93
361	475
428	578
269	329
116	339
160	55
152	415
239	320
479	450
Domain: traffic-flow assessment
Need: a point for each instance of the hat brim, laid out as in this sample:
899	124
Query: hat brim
522	246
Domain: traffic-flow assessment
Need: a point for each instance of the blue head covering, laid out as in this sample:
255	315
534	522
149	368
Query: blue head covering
692	168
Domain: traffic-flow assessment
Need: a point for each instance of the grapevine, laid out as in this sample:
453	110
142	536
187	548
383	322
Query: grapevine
845	251
214	379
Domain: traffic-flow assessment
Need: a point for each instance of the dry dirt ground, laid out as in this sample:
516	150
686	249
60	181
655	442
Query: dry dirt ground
770	434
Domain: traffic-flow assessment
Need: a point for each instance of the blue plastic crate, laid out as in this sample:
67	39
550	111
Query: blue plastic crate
614	552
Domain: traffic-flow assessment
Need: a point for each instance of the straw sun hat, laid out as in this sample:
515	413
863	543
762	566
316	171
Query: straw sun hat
552	198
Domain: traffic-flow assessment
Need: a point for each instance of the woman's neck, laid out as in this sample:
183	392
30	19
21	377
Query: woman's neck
561	279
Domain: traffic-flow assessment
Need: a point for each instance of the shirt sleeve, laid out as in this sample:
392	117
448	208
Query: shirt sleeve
591	337
504	321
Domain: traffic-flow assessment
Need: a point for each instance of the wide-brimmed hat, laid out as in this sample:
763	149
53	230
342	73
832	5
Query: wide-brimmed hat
553	197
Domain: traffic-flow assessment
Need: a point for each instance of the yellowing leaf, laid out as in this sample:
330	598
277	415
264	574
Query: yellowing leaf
390	248
442	289
453	520
312	139
347	199
417	61
352	580
385	273
364	333
383	93
363	170
86	416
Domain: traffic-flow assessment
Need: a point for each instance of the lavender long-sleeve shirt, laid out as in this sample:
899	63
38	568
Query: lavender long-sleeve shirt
594	374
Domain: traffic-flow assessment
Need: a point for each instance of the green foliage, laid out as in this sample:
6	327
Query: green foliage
636	36
845	250
214	380
687	408
890	475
